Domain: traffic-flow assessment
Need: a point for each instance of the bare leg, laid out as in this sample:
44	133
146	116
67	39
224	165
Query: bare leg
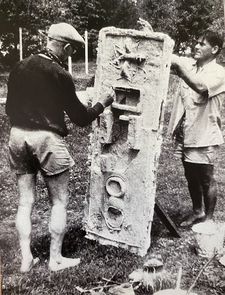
27	191
58	191
192	174
209	189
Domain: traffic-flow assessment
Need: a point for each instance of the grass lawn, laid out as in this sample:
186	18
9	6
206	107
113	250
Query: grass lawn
97	261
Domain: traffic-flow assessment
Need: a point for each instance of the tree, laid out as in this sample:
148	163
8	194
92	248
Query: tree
162	15
194	17
218	16
92	15
183	20
31	16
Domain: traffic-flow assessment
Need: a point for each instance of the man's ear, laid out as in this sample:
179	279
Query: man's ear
67	48
215	49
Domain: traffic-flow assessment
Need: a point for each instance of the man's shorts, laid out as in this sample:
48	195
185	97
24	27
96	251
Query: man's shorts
34	150
199	155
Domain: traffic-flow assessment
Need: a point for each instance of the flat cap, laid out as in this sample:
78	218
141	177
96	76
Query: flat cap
64	32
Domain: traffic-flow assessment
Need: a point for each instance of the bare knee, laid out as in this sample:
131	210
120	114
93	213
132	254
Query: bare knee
58	187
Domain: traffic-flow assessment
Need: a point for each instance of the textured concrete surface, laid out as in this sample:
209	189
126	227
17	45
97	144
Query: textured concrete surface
126	140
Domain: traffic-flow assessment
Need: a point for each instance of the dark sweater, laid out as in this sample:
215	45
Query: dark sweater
40	91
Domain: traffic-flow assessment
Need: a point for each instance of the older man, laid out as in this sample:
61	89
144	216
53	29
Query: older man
196	122
39	92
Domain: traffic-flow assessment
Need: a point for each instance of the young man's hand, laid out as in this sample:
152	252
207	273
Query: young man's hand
145	25
108	99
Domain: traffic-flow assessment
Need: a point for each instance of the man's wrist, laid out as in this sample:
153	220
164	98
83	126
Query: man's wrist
103	105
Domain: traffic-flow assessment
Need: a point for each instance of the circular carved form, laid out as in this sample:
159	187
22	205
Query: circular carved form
115	186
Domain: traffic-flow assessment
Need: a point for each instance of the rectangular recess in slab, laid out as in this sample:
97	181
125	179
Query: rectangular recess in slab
127	96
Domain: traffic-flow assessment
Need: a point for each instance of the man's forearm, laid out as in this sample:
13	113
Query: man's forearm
190	78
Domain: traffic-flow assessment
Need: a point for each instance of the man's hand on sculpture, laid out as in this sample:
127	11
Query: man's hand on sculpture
145	25
108	98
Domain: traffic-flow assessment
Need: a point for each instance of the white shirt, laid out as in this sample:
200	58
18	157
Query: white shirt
202	125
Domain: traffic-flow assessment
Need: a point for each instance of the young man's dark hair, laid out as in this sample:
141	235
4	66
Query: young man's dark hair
214	39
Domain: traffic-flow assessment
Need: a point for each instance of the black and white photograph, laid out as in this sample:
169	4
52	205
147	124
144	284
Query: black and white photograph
112	155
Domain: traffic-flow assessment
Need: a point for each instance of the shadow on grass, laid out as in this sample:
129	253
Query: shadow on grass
75	244
74	241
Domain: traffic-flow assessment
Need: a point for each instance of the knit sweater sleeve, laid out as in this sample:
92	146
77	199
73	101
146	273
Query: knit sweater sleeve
77	112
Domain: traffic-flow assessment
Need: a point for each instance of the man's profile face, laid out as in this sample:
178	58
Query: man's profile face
203	50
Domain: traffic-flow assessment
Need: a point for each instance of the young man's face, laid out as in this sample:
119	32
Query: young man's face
204	51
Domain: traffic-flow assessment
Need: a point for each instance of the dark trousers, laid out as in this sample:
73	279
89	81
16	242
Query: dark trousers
202	187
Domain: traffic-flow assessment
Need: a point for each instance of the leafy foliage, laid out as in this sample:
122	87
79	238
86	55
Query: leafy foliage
183	20
180	19
162	14
195	16
38	15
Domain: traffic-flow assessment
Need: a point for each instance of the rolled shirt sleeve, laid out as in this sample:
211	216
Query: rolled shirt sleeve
214	79
202	123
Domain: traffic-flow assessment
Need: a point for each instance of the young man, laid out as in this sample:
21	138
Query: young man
196	122
39	92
